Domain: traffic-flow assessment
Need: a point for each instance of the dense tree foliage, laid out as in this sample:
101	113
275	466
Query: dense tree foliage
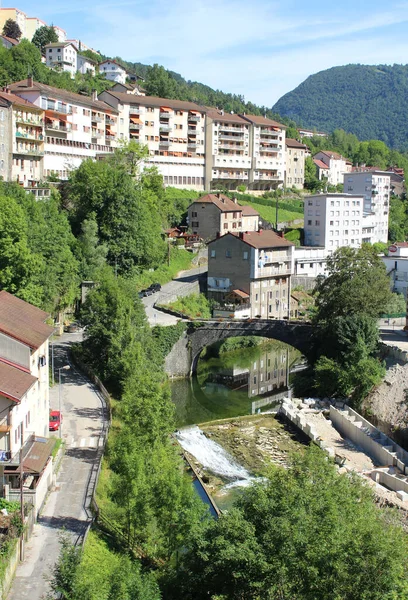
43	36
307	533
365	100
12	30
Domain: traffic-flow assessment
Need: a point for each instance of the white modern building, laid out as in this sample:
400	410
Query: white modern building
375	186
396	264
333	220
309	261
113	71
61	56
336	165
76	127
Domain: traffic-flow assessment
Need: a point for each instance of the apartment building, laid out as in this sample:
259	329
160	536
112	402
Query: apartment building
396	263
228	156
76	127
295	163
61	33
85	65
309	262
267	149
336	166
24	367
375	187
62	56
333	220
216	214
255	267
31	25
173	130
113	71
21	140
16	15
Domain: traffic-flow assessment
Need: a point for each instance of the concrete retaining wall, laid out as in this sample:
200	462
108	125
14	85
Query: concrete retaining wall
391	482
370	439
394	352
307	283
183	290
10	570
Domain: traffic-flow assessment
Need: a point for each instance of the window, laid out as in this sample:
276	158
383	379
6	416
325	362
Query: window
331	223
317	223
225	225
195	224
227	253
309	222
212	254
194	214
245	256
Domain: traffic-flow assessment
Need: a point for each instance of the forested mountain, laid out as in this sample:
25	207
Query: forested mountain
369	101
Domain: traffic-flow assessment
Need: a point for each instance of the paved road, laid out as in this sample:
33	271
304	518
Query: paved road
66	505
178	286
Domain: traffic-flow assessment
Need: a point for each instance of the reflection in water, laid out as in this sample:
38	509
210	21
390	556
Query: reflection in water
236	383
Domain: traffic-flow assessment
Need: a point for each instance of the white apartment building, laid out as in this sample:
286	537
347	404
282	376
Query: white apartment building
228	156
173	130
333	221
113	71
61	56
375	186
336	165
396	264
309	261
76	127
85	65
295	164
61	33
21	140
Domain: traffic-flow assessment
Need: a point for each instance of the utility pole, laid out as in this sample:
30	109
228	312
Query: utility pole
276	211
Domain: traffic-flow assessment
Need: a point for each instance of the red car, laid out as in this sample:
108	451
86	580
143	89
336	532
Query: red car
55	420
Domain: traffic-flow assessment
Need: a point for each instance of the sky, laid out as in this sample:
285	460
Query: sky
260	49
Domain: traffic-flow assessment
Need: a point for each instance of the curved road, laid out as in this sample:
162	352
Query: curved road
67	505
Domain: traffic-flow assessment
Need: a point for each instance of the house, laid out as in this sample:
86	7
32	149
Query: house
8	42
309	262
113	71
128	88
76	127
333	220
217	214
253	268
309	133
336	164
62	56
295	163
375	186
300	304
322	170
21	140
85	65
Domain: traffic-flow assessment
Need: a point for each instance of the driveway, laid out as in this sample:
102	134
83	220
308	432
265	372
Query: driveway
67	505
182	285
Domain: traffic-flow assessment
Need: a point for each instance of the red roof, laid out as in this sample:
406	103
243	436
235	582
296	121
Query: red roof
23	321
260	239
14	383
320	164
249	211
221	201
10	40
332	154
13	99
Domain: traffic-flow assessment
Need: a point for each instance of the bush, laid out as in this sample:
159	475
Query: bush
192	306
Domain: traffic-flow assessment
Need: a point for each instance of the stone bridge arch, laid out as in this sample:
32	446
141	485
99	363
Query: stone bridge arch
183	358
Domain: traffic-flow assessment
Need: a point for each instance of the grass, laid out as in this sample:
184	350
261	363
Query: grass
268	213
180	260
193	306
57	446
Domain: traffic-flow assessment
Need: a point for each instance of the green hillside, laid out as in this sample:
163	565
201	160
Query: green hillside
369	101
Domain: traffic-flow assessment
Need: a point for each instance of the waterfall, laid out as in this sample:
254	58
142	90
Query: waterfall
212	456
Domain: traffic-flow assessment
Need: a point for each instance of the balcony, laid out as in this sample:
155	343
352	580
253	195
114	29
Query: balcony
109	136
266	177
165	127
231	176
239	130
192	144
56	127
232	138
193	117
269	134
164	115
135	126
64	110
271	272
37	123
110	121
29	152
27	136
5	424
193	131
134	110
164	143
96	134
96	119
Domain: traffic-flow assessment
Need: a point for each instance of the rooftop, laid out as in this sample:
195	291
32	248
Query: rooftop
248	211
331	154
60	45
257	120
225	204
291	143
259	239
14	383
13	99
225	117
23	321
10	40
156	102
320	164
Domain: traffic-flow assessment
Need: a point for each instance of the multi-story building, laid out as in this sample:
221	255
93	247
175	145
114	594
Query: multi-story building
62	56
21	140
396	263
310	262
24	367
375	186
85	65
31	26
336	164
76	127
255	267
267	149
333	220
216	214
295	163
16	15
113	71
173	130
228	157
61	33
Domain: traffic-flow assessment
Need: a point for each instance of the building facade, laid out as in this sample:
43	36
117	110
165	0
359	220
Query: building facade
333	220
336	164
396	263
113	71
85	65
76	127
295	164
309	261
255	267
216	214
61	56
375	186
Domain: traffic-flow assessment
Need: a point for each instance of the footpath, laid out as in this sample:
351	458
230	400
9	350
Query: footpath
67	506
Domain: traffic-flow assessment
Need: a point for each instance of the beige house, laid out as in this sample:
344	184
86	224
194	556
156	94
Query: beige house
216	214
254	269
336	165
295	164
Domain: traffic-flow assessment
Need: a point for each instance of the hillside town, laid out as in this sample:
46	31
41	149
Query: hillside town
203	340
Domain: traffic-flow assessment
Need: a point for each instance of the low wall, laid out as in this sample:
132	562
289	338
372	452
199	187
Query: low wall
10	570
183	290
390	481
394	352
370	439
307	283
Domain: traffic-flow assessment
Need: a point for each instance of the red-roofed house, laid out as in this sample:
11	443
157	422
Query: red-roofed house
335	166
24	388
254	268
215	214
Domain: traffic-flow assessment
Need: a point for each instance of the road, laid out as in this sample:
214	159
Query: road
177	287
67	505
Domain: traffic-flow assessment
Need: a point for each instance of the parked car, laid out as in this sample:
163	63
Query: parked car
55	420
155	287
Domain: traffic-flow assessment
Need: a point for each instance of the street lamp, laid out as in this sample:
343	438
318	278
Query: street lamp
64	368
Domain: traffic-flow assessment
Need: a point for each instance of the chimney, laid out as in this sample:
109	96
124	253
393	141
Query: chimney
218	195
222	112
241	235
235	200
30	81
281	233
94	95
218	234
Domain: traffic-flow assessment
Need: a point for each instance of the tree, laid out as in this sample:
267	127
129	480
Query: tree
307	533
93	253
62	581
12	30
356	284
43	36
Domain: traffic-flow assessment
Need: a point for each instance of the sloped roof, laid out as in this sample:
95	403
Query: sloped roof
257	120
156	102
13	99
225	117
291	143
10	40
259	239
23	321
320	164
221	201
332	154
14	383
249	211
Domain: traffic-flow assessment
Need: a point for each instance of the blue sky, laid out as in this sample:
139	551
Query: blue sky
257	48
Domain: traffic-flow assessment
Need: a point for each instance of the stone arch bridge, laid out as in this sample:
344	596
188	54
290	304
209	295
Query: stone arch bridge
183	357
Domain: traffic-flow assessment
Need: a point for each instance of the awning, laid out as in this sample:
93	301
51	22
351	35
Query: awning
194	112
52	114
241	294
165	109
275	129
135	120
35	456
